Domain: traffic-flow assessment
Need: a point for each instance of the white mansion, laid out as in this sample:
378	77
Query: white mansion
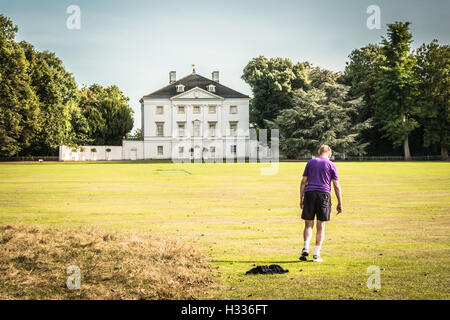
190	118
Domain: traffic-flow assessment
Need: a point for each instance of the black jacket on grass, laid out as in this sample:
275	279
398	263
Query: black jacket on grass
273	268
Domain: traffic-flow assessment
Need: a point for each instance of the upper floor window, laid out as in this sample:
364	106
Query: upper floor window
196	109
211	88
159	110
180	88
160	129
196	128
181	127
233	109
212	129
180	110
233	128
211	109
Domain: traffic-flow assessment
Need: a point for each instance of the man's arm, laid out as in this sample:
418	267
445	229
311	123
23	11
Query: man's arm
338	192
302	190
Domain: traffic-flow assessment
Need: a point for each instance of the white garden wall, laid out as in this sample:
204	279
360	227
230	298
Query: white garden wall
84	153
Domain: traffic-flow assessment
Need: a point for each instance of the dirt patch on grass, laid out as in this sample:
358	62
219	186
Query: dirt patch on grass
34	262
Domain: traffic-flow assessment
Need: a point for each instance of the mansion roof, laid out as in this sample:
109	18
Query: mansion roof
192	81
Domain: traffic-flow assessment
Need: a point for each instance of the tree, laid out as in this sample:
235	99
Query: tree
108	113
433	71
137	134
361	74
396	103
80	130
41	107
272	82
19	107
324	114
57	91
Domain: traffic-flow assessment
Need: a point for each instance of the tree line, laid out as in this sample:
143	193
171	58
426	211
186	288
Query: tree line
41	106
389	100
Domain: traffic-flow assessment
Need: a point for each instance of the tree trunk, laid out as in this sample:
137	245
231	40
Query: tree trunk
444	152
406	142
406	149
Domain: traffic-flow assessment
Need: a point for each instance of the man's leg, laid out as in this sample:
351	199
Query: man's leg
307	235
320	236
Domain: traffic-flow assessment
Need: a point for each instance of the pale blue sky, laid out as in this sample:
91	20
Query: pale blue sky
135	44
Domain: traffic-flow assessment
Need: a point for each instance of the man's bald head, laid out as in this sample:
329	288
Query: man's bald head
325	150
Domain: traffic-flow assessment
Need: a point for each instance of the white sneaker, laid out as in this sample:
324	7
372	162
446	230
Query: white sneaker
317	258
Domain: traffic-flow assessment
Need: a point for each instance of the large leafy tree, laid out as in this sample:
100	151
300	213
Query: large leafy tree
361	74
324	114
108	114
273	82
57	92
19	107
433	71
396	104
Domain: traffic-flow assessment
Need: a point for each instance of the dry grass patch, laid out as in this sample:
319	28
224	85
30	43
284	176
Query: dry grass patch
34	261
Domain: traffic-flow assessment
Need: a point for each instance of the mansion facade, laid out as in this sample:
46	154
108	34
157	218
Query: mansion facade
190	118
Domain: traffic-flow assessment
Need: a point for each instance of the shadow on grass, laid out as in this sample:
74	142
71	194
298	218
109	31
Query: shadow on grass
256	261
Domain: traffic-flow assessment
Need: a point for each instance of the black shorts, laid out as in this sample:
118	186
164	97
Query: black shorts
316	203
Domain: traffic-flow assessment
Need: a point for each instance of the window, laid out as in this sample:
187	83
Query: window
212	149
160	150
180	88
233	109
211	109
181	127
233	128
196	129
196	109
212	129
233	148
159	110
180	110
211	88
160	129
180	149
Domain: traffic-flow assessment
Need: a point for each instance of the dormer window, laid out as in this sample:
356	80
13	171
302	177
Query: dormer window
180	88
211	88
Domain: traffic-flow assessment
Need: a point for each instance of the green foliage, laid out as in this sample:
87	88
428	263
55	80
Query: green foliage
138	133
108	113
57	91
19	107
396	100
323	114
362	74
307	105
433	72
273	82
41	107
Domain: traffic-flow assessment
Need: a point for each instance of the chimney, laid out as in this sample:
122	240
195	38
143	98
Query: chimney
215	76
172	76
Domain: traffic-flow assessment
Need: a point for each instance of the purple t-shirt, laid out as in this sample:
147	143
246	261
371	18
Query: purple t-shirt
320	171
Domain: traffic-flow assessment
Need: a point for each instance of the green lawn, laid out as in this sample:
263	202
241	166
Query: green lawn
396	216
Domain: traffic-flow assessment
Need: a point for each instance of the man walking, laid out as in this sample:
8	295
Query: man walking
315	198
